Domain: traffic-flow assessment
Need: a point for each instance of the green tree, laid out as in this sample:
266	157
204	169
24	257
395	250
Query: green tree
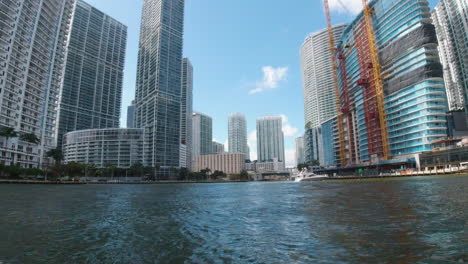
136	170
184	174
244	175
302	166
55	154
30	138
7	133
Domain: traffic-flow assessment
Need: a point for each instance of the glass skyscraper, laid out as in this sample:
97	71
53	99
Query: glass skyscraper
270	139
33	40
158	85
237	138
202	135
92	87
186	110
414	94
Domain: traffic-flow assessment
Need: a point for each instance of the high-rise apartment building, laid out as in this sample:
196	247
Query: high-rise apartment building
92	87
300	152
317	77
158	85
131	115
413	88
33	42
270	139
202	135
451	23
217	148
186	110
237	137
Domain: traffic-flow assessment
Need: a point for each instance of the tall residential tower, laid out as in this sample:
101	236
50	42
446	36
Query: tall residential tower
158	85
317	77
270	139
33	41
451	23
186	111
237	138
92	87
202	135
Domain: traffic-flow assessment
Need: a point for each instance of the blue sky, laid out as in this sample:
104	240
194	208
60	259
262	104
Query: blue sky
245	55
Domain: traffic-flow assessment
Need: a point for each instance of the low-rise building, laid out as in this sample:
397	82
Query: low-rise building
229	163
268	166
119	147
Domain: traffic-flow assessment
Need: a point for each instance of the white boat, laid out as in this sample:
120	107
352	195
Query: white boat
304	175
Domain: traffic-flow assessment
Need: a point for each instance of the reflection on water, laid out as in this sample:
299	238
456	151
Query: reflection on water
402	220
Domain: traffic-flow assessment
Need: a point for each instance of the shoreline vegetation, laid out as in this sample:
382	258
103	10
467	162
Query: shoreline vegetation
81	182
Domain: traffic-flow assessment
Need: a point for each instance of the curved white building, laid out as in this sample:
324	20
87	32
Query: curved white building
119	147
317	77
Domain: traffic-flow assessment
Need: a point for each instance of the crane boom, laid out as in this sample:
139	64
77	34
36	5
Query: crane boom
339	116
378	82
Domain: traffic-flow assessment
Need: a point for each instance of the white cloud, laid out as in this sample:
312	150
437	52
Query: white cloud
352	7
288	129
226	145
290	157
271	78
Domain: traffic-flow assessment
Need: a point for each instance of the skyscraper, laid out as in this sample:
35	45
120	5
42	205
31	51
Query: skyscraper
187	109
317	77
92	86
158	85
33	40
414	100
202	135
131	115
270	139
237	138
300	153
450	18
217	148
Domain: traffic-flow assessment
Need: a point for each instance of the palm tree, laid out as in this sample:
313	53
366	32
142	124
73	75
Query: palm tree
30	138
8	132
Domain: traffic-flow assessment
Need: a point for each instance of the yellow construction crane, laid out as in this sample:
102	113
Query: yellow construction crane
367	14
339	115
378	81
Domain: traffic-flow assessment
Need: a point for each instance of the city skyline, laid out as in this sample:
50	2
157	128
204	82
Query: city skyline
224	76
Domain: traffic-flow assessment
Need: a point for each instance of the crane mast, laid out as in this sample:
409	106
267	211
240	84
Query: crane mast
339	115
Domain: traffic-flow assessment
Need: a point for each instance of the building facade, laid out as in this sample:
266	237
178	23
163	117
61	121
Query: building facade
270	139
131	115
217	148
330	147
317	77
229	163
118	147
413	87
451	23
92	87
237	134
267	166
186	110
300	152
202	135
158	85
33	45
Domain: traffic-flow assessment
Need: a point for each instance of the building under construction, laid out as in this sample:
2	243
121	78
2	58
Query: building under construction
392	96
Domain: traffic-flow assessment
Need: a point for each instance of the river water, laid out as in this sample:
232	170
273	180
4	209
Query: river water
404	220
